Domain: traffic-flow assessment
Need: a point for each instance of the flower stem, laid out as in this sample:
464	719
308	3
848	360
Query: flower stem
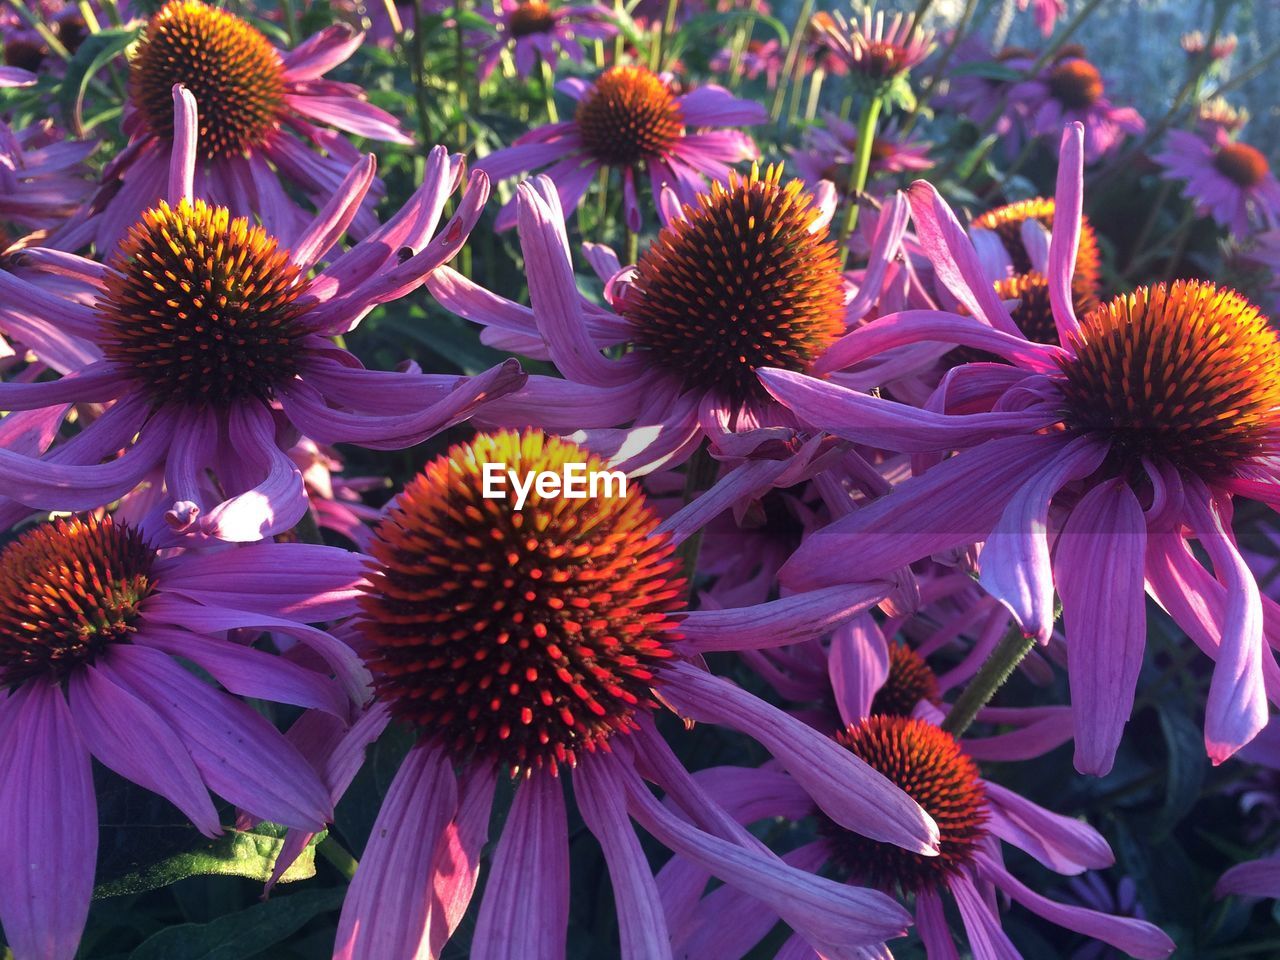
789	64
699	476
338	856
858	175
548	90
990	677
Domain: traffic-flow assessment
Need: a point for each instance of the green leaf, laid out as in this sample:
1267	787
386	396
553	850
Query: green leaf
236	853
97	50
1186	769
238	936
988	70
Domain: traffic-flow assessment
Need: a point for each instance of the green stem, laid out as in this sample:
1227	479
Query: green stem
290	12
990	677
815	93
939	71
659	41
858	175
418	70
700	475
338	856
548	90
633	247
461	72
798	35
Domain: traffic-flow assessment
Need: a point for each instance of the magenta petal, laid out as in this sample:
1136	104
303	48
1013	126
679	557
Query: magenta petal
1100	566
931	925
1062	844
1257	878
922	516
519	919
248	672
458	853
830	912
241	756
852	793
749	794
954	259
872	420
48	825
301	581
641	922
1015	559
1135	937
388	905
986	937
776	623
1065	239
1237	706
129	737
858	665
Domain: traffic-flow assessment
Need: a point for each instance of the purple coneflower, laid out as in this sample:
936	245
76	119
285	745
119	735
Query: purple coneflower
1125	442
529	642
877	689
214	339
534	29
1071	90
1226	179
630	120
265	118
870	49
758	57
92	623
698	327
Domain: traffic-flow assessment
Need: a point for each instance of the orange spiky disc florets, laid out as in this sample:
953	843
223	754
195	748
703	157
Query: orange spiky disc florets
627	116
910	680
231	69
1007	223
1185	372
67	590
1243	165
929	766
743	281
530	17
520	636
201	308
1076	83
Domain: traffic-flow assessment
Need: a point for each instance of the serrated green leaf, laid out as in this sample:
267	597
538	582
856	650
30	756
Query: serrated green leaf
237	853
1186	770
238	936
97	50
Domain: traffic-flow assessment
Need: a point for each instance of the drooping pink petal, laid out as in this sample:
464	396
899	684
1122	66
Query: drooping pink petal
777	623
827	911
1100	570
1065	240
922	516
48	825
1237	705
986	937
859	666
519	919
1062	844
1015	559
241	756
642	925
387	908
1135	937
849	791
133	740
1257	878
456	868
931	925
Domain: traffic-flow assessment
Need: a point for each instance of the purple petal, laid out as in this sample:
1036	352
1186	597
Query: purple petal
1015	559
387	908
1062	844
1065	239
48	825
1100	566
859	666
239	754
642	924
520	919
777	623
852	793
129	737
